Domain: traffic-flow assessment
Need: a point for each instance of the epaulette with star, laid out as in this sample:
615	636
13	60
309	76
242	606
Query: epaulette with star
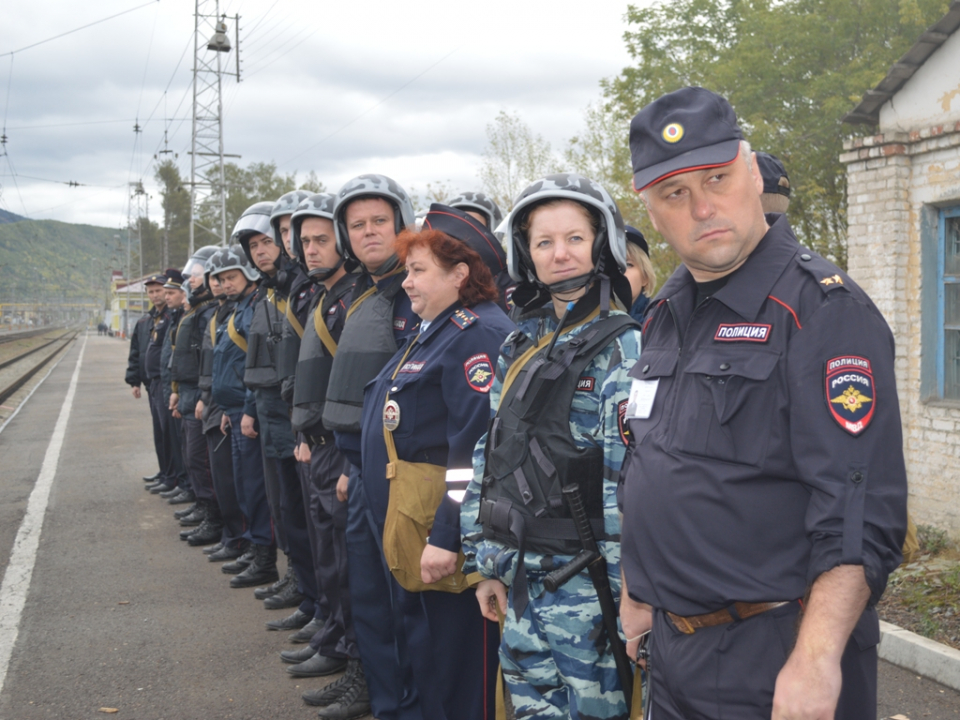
825	273
464	318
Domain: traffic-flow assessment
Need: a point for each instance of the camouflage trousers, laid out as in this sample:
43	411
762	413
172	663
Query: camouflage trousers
551	662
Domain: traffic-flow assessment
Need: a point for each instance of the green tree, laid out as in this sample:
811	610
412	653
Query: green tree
601	152
312	183
515	157
245	186
790	68
175	230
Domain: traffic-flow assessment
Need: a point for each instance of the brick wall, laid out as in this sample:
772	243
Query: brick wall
893	182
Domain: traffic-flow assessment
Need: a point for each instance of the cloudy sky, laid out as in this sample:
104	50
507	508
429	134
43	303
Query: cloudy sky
402	88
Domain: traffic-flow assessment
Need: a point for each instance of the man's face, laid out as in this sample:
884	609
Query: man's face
284	223
174	297
156	294
319	243
371	229
264	253
232	281
712	218
216	288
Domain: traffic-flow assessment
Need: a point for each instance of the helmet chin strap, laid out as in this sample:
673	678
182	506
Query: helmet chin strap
388	265
571	284
237	296
321	274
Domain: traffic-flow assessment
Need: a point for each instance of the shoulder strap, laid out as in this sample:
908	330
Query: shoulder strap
360	300
294	322
323	332
239	340
389	292
213	330
532	351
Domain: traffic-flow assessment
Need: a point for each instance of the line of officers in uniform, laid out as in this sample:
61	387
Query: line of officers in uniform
429	419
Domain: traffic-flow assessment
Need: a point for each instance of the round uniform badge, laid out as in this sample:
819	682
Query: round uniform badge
391	415
673	132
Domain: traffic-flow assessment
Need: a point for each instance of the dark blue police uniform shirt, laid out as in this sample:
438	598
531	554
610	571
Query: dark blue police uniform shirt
442	389
772	451
405	323
161	324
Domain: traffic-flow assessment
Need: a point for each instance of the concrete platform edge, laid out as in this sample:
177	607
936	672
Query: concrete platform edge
920	655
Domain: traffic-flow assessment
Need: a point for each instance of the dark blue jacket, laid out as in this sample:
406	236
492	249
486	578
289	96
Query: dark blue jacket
442	389
766	439
229	362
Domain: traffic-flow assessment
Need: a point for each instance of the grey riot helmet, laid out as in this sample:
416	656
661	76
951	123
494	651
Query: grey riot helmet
255	220
319	205
480	203
196	266
609	245
233	258
372	186
286	205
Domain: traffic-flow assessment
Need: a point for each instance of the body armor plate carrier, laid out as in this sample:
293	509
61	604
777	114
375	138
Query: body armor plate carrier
365	346
531	454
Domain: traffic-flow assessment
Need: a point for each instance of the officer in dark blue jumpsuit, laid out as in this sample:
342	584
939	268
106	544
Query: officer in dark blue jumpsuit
281	278
432	398
136	374
238	279
764	494
232	542
172	469
371	211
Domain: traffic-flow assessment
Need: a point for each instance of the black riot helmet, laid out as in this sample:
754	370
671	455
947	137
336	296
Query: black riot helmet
255	220
232	258
372	186
609	245
196	266
319	205
286	205
478	202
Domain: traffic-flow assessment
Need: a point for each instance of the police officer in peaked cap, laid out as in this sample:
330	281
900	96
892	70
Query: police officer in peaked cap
136	374
764	496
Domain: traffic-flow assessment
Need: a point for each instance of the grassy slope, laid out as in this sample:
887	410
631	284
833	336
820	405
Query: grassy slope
50	259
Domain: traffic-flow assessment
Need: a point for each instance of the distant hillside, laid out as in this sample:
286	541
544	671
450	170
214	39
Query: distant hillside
9	217
47	259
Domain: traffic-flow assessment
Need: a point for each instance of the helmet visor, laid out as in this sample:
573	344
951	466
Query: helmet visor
253	224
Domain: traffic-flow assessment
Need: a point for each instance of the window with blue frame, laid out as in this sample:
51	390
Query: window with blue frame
948	295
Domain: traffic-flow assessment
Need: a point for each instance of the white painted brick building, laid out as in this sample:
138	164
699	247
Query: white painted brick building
903	214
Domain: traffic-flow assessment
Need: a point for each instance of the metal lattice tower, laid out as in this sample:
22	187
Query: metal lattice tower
207	183
138	213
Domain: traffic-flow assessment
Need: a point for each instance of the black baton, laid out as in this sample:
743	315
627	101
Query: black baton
591	559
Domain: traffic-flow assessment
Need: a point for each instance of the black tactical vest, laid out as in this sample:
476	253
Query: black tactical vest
263	339
185	363
365	345
315	362
211	411
531	455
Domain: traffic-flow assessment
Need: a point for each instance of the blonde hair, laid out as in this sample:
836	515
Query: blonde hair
641	260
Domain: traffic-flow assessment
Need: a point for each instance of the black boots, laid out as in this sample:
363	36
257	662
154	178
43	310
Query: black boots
262	593
262	570
211	529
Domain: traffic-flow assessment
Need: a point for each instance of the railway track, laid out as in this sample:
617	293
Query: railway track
24	334
20	376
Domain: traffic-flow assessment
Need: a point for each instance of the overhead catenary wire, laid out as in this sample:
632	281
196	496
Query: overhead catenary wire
368	110
82	27
286	50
